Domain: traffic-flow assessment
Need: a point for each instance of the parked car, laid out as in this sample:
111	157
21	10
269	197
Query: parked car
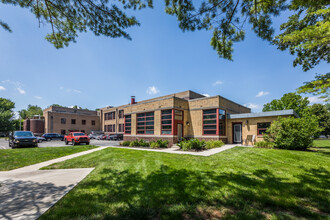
95	134
76	138
22	139
41	139
101	137
53	136
116	137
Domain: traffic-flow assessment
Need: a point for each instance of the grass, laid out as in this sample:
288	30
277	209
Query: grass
240	183
15	158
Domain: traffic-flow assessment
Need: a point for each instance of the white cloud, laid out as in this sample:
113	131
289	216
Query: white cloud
70	90
152	90
218	82
18	85
207	95
20	90
262	93
2	88
38	97
315	99
253	106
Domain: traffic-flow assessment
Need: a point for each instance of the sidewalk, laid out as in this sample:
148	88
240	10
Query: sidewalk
27	192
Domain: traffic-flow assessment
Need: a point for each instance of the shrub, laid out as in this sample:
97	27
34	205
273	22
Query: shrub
159	144
213	144
264	144
192	144
143	143
134	143
125	143
293	133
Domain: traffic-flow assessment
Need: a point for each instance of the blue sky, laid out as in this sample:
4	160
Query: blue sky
161	59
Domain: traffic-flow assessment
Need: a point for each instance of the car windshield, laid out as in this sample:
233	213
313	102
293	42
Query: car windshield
78	134
23	134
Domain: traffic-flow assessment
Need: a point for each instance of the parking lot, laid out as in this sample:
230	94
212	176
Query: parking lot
4	143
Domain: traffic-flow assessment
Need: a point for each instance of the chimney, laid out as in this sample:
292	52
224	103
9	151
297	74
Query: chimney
133	100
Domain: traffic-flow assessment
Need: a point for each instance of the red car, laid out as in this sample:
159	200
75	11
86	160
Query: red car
76	138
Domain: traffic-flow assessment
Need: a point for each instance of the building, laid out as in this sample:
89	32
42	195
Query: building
63	120
35	125
187	115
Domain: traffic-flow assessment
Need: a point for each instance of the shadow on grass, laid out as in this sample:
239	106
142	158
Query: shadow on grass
184	194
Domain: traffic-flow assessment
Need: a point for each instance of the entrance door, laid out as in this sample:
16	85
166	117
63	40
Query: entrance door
179	132
237	133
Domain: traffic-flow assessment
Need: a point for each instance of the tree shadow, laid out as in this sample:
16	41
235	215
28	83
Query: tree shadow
26	199
169	193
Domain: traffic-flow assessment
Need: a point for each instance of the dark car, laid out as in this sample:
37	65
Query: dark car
95	134
41	139
53	136
22	139
115	137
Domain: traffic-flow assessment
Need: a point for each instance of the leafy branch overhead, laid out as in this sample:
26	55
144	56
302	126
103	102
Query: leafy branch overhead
69	17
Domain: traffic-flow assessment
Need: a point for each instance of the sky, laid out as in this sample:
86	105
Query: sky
160	59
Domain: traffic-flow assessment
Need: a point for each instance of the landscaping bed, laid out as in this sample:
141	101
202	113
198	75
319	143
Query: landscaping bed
15	158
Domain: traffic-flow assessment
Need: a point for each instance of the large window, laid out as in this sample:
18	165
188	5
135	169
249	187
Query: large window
210	122
73	121
110	116
145	123
63	121
110	128
128	124
83	122
93	122
121	128
262	127
167	121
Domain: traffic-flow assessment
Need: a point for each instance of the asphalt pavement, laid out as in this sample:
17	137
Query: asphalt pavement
4	143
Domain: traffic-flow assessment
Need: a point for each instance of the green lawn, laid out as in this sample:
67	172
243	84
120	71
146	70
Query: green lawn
15	158
240	183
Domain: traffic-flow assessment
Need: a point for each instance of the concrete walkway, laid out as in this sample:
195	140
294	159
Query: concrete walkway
176	150
27	192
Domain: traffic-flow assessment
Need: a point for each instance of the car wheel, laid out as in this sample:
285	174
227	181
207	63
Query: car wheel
66	142
73	142
48	139
87	143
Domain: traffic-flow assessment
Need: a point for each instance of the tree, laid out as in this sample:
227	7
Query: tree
32	110
319	86
6	114
69	17
322	114
288	101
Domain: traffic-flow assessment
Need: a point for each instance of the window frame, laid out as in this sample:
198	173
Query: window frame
128	117
262	129
63	121
216	119
171	121
83	122
73	120
138	116
121	114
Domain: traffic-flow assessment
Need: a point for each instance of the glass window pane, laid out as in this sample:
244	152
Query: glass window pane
141	119
149	132
178	112
166	122
149	114
167	127
206	122
210	127
149	118
209	116
150	127
210	111
166	132
167	117
167	111
178	117
140	123
210	132
140	132
150	123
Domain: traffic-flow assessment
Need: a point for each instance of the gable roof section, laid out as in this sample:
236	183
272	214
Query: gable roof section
264	114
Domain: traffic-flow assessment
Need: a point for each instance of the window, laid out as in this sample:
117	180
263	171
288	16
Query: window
178	115
128	124
63	121
262	127
73	121
167	121
121	114
145	123
110	116
121	128
210	121
110	128
93	122
222	122
83	122
63	132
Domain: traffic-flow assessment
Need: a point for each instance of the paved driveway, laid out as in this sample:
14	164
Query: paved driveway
101	143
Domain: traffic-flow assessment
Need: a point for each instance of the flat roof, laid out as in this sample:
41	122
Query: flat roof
263	114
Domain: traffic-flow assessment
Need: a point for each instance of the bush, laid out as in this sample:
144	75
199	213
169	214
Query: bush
125	143
139	143
159	144
293	133
264	144
192	144
213	144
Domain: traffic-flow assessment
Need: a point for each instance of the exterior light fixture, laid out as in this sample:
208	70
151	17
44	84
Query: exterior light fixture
187	123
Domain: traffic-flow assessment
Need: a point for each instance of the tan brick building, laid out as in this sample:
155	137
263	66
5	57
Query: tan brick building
63	120
189	115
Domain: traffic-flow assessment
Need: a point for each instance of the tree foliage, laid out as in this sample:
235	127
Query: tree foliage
67	18
293	133
319	86
32	110
322	114
6	114
288	101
